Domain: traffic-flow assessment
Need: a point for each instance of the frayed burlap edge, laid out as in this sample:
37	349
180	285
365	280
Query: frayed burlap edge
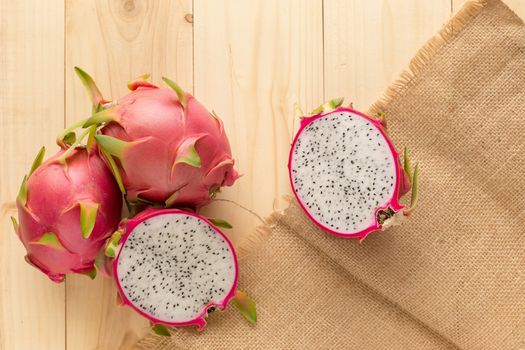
262	232
395	90
448	33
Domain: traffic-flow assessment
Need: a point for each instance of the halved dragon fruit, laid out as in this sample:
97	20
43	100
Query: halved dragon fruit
346	173
173	266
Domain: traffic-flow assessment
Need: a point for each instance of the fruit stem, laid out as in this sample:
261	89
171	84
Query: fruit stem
242	207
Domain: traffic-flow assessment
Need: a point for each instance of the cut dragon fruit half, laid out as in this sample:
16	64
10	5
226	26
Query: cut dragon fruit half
346	174
174	267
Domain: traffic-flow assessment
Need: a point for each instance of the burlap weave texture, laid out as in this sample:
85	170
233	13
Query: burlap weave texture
451	277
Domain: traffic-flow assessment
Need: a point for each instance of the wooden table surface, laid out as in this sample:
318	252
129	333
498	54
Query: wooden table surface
251	61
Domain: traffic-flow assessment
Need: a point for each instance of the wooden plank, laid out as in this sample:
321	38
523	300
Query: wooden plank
116	41
253	61
518	6
368	43
31	115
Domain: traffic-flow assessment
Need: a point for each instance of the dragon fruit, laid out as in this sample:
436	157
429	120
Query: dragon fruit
346	173
67	207
163	145
173	266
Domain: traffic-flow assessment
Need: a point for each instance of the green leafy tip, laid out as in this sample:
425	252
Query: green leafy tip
63	157
104	116
114	169
22	193
246	306
406	164
112	145
51	240
171	199
100	261
218	120
139	81
415	190
215	115
91	138
328	106
113	244
381	117
69	138
178	90
336	102
91	273
297	112
38	160
186	153
15	224
94	93
221	223
88	216
145	201
162	330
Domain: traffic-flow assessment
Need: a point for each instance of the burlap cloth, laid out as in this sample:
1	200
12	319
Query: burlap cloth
451	277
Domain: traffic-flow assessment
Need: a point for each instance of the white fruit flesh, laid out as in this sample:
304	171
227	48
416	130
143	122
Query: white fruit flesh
342	170
173	265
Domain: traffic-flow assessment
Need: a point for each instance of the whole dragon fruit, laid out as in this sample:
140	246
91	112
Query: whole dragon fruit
67	207
174	266
346	173
164	146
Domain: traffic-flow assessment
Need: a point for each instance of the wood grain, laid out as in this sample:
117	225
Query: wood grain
31	115
368	43
253	61
116	41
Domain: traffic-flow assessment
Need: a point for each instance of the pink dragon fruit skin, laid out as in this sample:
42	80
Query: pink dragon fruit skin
169	148
66	212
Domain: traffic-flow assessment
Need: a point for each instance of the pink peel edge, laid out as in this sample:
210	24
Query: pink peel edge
392	203
200	320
